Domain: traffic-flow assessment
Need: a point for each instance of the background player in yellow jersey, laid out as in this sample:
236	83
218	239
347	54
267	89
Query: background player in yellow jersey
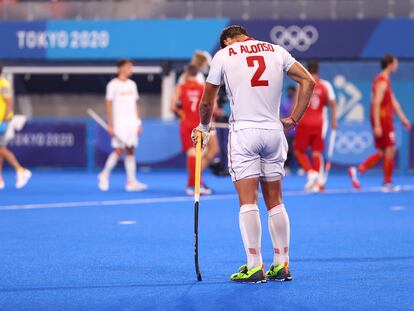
6	113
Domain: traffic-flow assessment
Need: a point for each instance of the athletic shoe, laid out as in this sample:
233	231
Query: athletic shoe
255	275
388	187
135	186
189	190
204	190
353	172
312	182
2	183
22	177
103	182
279	273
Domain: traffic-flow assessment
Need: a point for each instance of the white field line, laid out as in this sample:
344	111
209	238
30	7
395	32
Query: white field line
143	201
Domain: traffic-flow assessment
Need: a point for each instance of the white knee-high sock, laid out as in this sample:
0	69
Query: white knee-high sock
279	228
130	167
110	163
251	232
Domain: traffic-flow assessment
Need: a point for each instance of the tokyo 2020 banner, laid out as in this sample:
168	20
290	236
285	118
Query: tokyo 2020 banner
51	144
147	39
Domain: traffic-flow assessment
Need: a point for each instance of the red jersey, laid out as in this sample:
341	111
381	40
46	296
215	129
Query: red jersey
190	97
386	106
321	95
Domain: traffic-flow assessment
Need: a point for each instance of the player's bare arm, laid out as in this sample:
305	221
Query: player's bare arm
140	128
400	113
376	106
208	102
108	112
306	85
334	123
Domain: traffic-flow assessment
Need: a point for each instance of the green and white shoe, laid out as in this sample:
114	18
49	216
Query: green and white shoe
279	273
255	275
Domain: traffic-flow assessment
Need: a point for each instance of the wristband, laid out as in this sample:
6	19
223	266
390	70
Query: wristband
204	128
139	122
294	121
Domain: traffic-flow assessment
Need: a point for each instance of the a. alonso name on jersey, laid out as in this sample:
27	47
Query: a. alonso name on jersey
252	49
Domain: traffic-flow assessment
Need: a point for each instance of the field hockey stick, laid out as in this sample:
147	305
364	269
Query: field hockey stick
101	122
331	149
197	202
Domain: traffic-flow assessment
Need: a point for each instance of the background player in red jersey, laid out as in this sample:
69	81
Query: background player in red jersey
384	104
189	95
310	131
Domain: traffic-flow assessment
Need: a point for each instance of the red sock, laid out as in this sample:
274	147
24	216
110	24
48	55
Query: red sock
388	168
372	160
303	160
317	163
191	171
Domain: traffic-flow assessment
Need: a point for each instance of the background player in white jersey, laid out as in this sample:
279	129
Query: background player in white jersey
253	73
122	111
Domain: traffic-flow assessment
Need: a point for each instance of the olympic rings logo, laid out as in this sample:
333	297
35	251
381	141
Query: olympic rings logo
294	37
353	142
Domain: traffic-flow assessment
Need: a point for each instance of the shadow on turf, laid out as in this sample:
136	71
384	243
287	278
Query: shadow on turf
58	288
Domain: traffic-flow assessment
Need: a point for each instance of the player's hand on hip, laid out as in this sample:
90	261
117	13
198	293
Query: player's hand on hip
111	130
288	123
377	131
140	130
205	134
334	125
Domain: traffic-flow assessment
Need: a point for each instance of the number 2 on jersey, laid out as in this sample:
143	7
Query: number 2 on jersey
256	81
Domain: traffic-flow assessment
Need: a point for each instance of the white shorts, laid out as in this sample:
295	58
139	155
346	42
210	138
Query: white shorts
126	136
257	153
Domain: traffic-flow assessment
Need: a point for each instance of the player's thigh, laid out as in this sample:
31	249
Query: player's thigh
243	154
272	193
247	190
317	141
125	137
273	155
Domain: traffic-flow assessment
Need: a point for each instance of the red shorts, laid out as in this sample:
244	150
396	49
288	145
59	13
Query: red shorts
388	135
185	133
309	137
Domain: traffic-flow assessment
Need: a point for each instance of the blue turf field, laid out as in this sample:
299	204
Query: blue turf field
349	251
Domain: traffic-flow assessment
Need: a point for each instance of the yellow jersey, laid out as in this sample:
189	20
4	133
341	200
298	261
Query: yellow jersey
5	91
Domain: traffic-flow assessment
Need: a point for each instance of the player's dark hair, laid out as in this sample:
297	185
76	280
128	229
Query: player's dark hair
313	66
231	32
192	70
123	62
387	60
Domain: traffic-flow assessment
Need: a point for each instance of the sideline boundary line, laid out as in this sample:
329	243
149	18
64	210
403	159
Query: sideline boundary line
292	193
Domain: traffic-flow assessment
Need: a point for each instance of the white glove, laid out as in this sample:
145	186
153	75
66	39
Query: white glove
205	134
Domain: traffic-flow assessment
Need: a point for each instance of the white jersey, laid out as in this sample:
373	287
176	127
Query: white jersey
124	96
253	73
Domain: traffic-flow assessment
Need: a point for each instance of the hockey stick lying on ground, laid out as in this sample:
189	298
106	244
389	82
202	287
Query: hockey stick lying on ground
101	122
331	149
197	202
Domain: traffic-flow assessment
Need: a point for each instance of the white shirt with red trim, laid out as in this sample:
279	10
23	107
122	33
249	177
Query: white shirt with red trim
124	96
253	73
